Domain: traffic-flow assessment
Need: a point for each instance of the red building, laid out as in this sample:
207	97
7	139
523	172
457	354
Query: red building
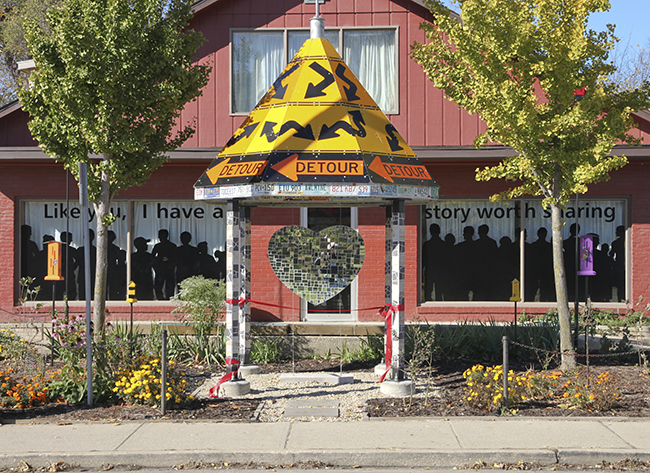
465	272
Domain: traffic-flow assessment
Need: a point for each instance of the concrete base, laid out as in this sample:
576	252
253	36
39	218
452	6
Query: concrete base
245	370
235	388
380	369
310	407
320	378
396	388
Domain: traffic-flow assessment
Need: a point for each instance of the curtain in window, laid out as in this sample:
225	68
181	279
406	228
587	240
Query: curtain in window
173	241
466	241
257	60
46	221
297	39
370	54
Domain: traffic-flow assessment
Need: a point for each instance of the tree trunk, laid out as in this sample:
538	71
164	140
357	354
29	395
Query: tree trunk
563	312
102	207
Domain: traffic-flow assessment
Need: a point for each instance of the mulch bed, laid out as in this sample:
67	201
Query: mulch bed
633	384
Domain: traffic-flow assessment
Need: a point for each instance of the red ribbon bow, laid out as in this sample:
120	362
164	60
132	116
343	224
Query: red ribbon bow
240	302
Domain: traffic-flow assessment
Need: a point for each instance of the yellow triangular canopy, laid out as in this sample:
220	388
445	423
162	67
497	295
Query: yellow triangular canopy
317	123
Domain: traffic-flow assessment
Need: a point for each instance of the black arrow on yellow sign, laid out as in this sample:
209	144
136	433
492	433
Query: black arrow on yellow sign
393	140
350	93
248	131
304	132
331	131
317	90
280	89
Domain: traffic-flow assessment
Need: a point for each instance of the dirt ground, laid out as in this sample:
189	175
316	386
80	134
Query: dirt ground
632	382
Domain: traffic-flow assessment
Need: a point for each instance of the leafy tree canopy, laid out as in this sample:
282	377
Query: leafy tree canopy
111	79
519	63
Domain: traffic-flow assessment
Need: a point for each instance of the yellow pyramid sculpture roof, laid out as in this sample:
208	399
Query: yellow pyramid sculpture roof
316	124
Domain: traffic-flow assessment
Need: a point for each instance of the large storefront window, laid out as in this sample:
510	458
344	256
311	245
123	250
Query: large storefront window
471	251
170	242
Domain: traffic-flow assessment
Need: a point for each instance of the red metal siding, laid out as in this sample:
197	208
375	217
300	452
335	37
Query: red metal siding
14	131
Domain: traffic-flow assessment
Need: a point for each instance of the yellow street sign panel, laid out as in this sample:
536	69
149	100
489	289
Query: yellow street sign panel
316	123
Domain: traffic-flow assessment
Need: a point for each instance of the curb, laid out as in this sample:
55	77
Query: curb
350	458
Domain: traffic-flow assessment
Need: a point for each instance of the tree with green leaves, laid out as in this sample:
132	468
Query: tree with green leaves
518	63
111	78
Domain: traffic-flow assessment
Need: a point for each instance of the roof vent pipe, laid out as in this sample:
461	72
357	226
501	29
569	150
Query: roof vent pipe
317	24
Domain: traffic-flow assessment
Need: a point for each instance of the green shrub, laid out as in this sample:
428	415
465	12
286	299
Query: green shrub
200	305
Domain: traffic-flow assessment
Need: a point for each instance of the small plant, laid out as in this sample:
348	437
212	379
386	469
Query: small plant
141	383
69	338
422	356
372	347
192	349
13	347
265	350
485	389
597	396
22	392
68	385
28	293
200	305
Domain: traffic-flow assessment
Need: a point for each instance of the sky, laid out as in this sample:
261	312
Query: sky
630	17
631	20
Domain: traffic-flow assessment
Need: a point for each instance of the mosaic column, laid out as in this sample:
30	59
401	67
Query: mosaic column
245	285
233	283
388	247
397	289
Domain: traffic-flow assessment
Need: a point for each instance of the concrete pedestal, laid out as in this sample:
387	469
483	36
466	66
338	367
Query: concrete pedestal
380	369
396	388
234	388
245	370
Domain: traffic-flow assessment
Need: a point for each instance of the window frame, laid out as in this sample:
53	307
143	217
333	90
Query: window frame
627	223
129	203
286	59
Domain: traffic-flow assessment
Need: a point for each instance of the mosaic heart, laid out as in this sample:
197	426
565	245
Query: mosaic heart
316	266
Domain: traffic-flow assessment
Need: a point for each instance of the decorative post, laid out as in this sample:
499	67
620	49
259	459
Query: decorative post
232	384
245	293
397	289
131	299
516	297
54	275
233	285
385	368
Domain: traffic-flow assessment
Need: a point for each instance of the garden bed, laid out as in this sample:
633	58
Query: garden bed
631	384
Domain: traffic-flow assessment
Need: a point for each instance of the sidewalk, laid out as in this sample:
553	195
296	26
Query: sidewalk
431	442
